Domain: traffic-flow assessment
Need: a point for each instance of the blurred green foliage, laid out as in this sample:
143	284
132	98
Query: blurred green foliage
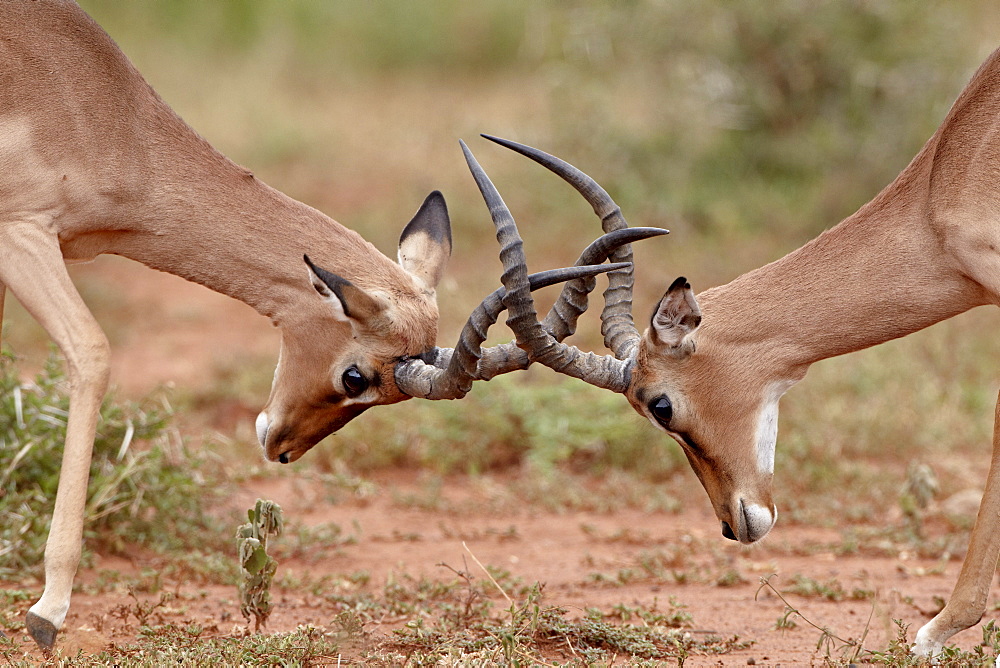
723	117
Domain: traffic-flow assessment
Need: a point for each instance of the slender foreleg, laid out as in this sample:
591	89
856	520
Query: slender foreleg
968	601
32	267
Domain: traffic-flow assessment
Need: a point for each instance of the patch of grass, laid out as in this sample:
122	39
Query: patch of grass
675	616
167	644
146	488
681	564
529	632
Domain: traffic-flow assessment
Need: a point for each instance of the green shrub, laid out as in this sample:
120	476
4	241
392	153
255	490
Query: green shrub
145	488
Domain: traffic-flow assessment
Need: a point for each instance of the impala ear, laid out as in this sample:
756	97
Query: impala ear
676	317
425	244
349	302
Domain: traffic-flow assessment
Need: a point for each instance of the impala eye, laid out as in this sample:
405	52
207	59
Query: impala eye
662	410
354	382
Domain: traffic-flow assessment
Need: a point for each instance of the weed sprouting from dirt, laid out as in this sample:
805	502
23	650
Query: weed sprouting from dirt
257	567
919	489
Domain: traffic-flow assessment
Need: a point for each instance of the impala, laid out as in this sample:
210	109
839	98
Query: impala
709	370
95	162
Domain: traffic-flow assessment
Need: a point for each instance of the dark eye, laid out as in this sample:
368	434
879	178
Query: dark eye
662	410
354	382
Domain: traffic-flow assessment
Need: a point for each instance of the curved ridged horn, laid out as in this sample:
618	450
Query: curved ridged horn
561	319
617	324
572	301
603	371
448	373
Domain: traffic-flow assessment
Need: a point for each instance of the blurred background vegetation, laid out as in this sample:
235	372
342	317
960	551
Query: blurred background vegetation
745	128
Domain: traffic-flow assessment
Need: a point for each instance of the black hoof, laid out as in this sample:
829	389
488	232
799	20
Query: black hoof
42	630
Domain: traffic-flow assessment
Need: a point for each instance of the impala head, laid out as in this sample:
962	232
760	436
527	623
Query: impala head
724	419
339	359
374	346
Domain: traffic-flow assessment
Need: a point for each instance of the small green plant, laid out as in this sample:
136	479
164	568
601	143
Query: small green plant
256	565
786	621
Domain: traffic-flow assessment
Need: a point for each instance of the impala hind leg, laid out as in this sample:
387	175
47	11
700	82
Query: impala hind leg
968	601
32	267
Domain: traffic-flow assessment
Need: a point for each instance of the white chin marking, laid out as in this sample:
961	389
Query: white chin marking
262	425
767	436
767	425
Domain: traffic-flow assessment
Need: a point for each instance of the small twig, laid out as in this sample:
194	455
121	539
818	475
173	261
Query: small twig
489	575
864	635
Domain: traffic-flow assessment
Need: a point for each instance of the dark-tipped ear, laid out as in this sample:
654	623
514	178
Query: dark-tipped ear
425	244
676	317
349	302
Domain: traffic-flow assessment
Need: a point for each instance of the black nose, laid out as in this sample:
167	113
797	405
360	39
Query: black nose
727	531
283	458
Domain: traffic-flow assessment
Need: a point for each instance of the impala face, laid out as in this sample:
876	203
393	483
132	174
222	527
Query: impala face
312	398
724	418
338	360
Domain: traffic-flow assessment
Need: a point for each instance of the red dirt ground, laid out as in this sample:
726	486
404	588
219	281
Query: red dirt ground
193	332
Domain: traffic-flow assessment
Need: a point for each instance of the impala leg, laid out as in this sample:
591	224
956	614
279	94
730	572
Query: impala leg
32	267
968	601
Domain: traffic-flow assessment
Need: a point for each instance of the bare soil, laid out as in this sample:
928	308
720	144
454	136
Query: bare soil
182	332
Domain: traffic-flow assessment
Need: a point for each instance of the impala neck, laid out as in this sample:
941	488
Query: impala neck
195	214
877	276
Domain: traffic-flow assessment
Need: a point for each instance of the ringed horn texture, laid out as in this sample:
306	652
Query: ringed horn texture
613	373
448	373
617	325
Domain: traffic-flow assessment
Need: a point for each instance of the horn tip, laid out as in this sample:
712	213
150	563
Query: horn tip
499	140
